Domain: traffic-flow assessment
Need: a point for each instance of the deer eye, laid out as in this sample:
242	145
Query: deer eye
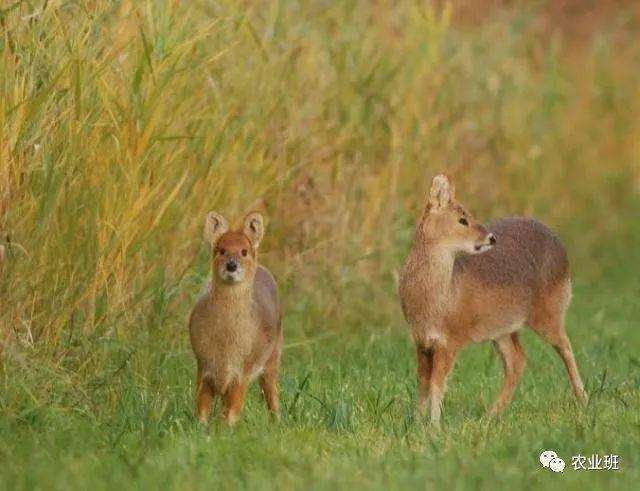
221	251
463	221
244	252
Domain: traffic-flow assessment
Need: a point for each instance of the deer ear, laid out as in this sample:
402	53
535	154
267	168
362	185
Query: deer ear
254	227
214	226
442	192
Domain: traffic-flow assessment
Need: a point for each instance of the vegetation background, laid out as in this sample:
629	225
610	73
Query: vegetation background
123	122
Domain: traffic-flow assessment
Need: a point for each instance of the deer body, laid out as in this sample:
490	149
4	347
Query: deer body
235	327
466	283
233	332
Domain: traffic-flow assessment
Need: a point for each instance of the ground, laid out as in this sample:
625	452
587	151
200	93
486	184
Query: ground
348	419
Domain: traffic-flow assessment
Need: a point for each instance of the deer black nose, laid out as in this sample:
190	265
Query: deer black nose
492	239
232	266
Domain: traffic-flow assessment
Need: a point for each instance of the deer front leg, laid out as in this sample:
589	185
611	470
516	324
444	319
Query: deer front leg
443	360
233	401
204	398
424	366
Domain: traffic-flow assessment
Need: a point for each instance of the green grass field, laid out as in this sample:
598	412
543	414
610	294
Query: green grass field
123	122
348	417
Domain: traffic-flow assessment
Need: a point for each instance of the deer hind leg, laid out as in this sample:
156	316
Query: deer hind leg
269	382
424	366
513	361
443	360
548	321
204	397
566	353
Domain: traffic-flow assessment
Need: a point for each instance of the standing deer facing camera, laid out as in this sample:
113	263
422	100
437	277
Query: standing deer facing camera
236	328
466	283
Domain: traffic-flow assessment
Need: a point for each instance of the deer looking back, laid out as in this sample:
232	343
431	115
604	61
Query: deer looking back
236	328
465	283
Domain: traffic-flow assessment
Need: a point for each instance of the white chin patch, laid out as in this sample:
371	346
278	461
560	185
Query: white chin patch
231	277
480	248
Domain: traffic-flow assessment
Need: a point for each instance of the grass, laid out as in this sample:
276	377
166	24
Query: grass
348	416
122	123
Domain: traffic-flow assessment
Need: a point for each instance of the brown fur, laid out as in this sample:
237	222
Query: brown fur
236	326
453	295
2	254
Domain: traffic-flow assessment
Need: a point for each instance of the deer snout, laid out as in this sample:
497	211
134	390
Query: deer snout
484	242
231	265
231	270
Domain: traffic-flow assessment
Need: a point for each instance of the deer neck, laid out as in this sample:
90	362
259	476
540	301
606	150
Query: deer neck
233	301
433	266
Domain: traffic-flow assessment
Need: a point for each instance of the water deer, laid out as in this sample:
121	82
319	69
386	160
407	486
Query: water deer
464	282
236	326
